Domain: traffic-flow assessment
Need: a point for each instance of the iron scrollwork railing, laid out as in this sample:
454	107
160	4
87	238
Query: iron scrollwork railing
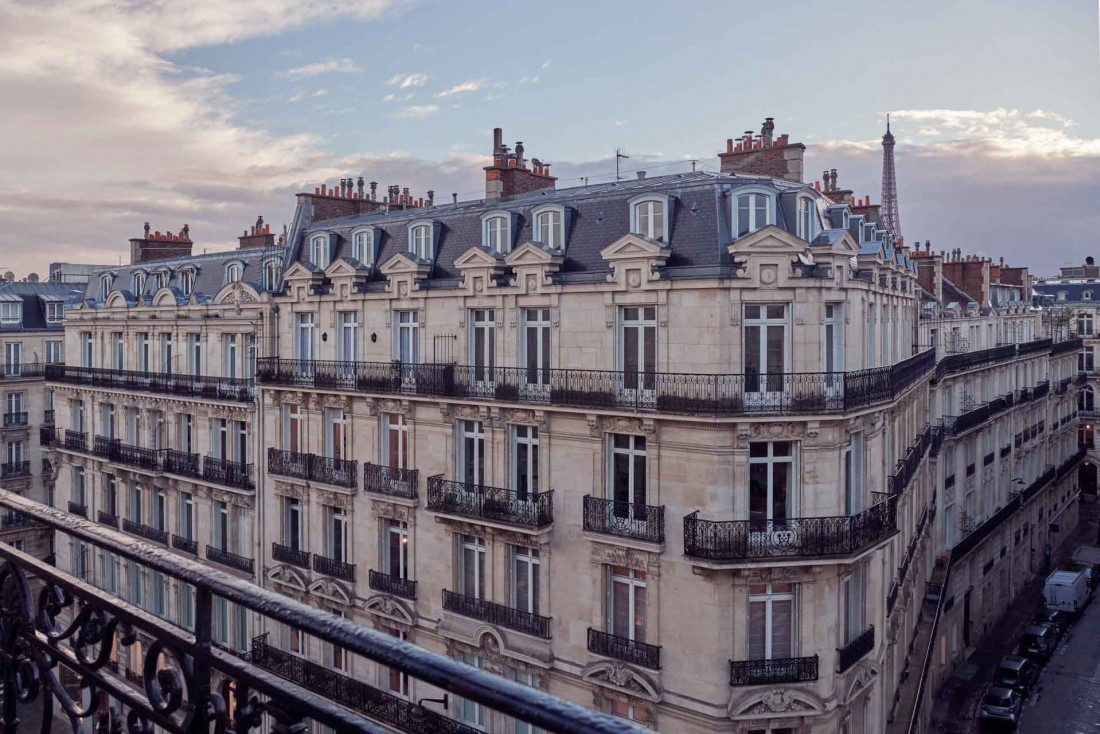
622	648
228	472
69	625
500	614
530	509
235	389
293	556
12	469
334	567
624	519
767	672
390	584
391	481
339	472
230	559
76	441
848	655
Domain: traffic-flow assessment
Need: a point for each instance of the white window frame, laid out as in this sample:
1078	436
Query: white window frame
55	312
137	283
483	330
752	224
768	388
548	226
637	487
769	523
633	580
292	522
13	359
234	273
649	216
536	363
807	218
348	337
187	281
525	467
337	533
319	253
395	423
406	333
362	243
11	312
643	320
420	240
395	532
305	328
474	431
523	560
496	231
105	282
471	566
766	600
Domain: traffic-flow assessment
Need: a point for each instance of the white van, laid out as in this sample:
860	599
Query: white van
1067	591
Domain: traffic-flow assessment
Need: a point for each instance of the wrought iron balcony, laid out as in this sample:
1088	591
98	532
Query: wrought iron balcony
800	537
78	509
48	415
182	463
384	582
1037	345
10	520
499	614
187	545
624	519
293	556
962	361
391	481
22	370
112	449
768	672
335	568
76	441
145	531
14	469
621	648
47	436
527	509
1042	389
15	419
1067	345
850	654
106	518
907	468
228	472
227	558
180	669
782	393
338	472
231	389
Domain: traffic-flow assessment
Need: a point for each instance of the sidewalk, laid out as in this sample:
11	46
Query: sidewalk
956	705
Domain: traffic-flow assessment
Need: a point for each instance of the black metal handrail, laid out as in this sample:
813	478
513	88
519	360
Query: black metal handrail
78	509
907	467
500	614
47	436
13	371
390	481
338	472
742	540
983	531
76	441
228	558
778	670
624	519
783	393
1067	345
334	567
14	520
622	648
528	509
288	463
107	518
112	449
228	472
145	531
233	389
187	545
293	556
389	584
15	419
182	463
1037	345
848	655
12	469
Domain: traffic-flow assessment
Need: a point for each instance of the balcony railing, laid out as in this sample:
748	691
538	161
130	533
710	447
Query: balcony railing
144	531
782	393
21	370
187	545
78	509
746	540
529	509
11	520
1038	345
499	614
228	472
183	673
227	558
47	436
624	519
339	472
621	648
1042	389
112	449
907	468
233	389
107	518
335	568
293	556
390	481
13	469
182	463
848	655
15	419
1068	345
76	441
768	672
384	582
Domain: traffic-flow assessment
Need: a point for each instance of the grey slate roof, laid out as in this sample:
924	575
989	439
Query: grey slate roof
34	297
1074	291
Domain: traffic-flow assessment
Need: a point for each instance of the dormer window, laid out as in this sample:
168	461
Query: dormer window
11	312
806	218
137	283
162	279
362	246
318	251
1061	295
845	219
55	312
868	232
649	218
271	274
187	281
420	241
233	273
104	286
495	234
753	211
548	229
1086	296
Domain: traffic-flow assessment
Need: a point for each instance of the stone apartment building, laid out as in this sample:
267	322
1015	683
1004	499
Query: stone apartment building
688	449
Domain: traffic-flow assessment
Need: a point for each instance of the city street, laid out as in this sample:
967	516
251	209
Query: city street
1068	697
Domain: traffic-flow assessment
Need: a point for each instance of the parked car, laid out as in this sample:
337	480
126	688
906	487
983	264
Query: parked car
1046	615
1037	642
1001	706
1017	673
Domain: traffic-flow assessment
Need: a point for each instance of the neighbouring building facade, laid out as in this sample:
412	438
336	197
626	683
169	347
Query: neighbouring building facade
686	449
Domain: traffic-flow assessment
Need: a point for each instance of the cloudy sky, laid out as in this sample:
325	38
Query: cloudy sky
208	112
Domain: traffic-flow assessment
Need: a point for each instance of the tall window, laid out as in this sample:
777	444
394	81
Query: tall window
420	241
524	579
318	251
104	286
483	343
362	246
78	485
395	440
158	591
336	533
638	346
626	607
220	525
471	453
753	212
137	586
771	621
230	357
853	604
15	453
110	495
161	279
14	404
535	346
137	500
80	560
496	234
395	546
349	336
1086	360
13	359
271	275
465	710
292	523
628	472
186	433
53	352
250	356
471	567
833	339
649	220
160	510
336	435
110	572
771	484
194	354
765	339
292	427
143	355
303	336
806	219
398	680
406	340
118	351
167	352
548	229
187	605
187	516
853	474
525	461
233	273
187	281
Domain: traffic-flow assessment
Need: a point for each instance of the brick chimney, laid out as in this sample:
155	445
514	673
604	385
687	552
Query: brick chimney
971	275
510	175
831	192
764	155
865	207
259	236
160	245
350	198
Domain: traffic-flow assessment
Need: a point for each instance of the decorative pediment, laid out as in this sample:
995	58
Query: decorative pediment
237	294
288	577
328	589
634	259
778	702
532	265
340	267
166	297
622	677
298	272
387	606
403	271
768	240
116	299
481	268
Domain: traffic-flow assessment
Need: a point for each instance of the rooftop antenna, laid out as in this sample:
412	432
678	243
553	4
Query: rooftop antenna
693	162
618	154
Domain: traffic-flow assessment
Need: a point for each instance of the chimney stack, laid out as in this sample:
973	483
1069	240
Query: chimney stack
157	246
260	236
764	155
509	174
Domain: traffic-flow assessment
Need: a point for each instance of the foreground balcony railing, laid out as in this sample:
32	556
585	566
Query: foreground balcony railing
768	672
228	558
235	389
622	648
390	481
499	614
746	540
529	509
13	469
339	472
850	654
624	519
333	567
74	625
783	393
228	472
293	556
389	584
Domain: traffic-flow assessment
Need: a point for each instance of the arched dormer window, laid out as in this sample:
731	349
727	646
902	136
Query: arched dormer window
271	274
548	226
319	251
104	286
649	216
752	210
137	283
422	239
234	272
845	219
161	278
362	245
806	218
1061	295
496	232
186	281
1086	296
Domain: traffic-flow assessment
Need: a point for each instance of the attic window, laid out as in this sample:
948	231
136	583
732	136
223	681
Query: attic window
1086	296
162	279
318	251
233	272
55	312
271	274
137	283
420	241
495	234
806	219
548	228
104	286
751	212
362	246
187	281
649	217
1061	295
11	313
845	219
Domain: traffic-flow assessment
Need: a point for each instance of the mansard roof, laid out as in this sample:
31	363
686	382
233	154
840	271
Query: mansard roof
35	296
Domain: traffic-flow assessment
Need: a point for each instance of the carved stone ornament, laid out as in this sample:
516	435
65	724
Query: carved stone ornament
392	511
777	702
292	490
520	416
389	607
331	591
287	577
622	677
778	431
615	555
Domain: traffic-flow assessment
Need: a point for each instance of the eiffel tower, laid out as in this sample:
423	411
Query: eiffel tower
890	218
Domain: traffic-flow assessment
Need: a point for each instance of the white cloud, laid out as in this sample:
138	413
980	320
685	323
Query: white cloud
320	93
470	86
330	66
296	97
408	80
546	64
388	97
620	123
417	112
529	80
